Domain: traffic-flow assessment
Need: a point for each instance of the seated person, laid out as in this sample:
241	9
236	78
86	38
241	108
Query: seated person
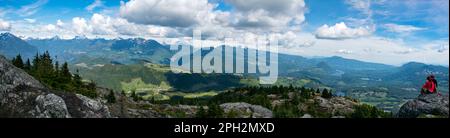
429	87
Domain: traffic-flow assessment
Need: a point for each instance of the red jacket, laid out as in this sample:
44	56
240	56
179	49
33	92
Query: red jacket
429	85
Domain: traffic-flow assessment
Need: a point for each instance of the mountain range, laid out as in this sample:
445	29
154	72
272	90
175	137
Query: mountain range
382	85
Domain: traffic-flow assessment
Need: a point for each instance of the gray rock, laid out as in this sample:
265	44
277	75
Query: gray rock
93	109
431	104
306	116
245	110
336	106
50	106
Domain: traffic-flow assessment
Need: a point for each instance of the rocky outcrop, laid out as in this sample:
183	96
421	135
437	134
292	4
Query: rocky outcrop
23	96
90	108
427	105
336	106
245	110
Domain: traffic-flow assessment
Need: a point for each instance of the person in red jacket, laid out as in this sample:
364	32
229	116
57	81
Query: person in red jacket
429	87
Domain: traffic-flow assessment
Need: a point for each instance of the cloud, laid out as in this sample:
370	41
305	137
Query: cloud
274	15
30	20
50	27
344	51
102	25
396	28
172	13
111	27
374	49
361	5
247	16
31	9
60	23
432	13
80	26
441	46
4	25
95	4
341	31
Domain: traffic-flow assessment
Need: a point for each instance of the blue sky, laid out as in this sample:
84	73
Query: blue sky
410	26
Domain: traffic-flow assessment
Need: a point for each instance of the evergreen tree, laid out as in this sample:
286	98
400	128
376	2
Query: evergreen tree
153	101
134	96
214	111
92	89
55	77
111	97
18	62
27	65
65	75
326	94
77	81
306	93
201	113
57	67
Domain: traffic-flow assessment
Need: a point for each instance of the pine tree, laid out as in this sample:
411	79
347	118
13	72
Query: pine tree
153	101
134	96
77	81
57	67
214	111
34	68
54	76
305	93
326	94
65	75
111	97
18	62
201	113
92	89
27	65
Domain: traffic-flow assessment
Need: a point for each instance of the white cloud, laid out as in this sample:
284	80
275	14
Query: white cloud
80	25
344	51
173	13
4	25
29	20
50	27
396	28
341	31
184	15
273	15
59	23
361	5
95	4
102	25
31	9
374	49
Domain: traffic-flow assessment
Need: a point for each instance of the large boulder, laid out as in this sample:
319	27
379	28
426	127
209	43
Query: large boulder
245	110
429	104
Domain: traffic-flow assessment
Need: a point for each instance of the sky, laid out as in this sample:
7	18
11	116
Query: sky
392	32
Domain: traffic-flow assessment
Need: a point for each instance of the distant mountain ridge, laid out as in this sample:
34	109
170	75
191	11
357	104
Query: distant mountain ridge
10	46
347	76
